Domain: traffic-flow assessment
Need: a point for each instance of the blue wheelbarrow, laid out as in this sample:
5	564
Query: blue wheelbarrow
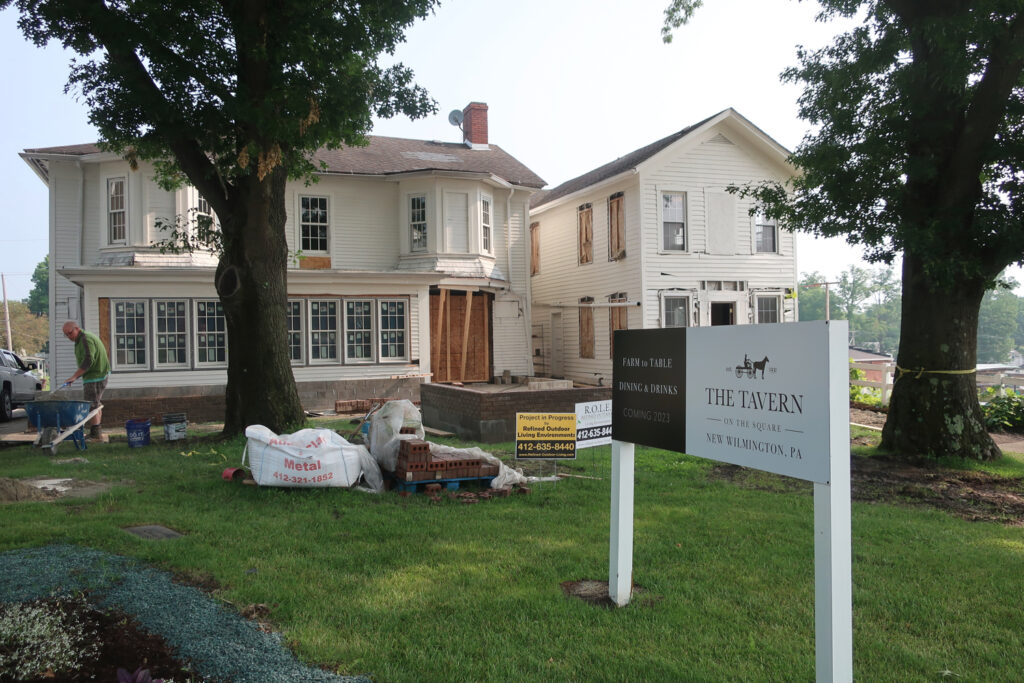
59	420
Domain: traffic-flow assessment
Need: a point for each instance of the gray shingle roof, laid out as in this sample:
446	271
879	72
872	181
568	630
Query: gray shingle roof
611	169
391	156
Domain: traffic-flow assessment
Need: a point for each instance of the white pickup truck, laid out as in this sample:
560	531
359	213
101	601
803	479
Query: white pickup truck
17	384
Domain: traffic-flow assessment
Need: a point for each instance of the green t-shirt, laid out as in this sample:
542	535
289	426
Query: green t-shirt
91	356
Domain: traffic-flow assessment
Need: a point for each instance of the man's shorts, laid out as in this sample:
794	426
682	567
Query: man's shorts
94	392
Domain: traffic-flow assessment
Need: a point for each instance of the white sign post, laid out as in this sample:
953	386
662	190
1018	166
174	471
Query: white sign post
769	397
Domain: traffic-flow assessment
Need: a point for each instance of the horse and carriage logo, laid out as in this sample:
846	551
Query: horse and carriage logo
750	368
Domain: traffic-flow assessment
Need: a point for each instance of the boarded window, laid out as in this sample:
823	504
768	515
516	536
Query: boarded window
617	316
585	223
586	327
616	227
534	248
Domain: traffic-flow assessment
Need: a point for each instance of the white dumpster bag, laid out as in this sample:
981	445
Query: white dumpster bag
308	458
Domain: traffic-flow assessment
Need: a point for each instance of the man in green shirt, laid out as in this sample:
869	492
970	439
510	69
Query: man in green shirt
93	368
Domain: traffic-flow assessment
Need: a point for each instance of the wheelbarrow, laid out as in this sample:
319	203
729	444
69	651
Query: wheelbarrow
58	420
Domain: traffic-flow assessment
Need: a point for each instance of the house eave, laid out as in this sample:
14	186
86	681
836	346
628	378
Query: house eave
176	276
582	192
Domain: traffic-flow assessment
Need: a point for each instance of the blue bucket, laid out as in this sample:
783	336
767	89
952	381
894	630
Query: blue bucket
138	433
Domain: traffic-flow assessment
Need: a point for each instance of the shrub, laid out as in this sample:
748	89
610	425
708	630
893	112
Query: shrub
1005	413
44	636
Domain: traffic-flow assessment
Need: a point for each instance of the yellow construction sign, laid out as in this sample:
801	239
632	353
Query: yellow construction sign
546	436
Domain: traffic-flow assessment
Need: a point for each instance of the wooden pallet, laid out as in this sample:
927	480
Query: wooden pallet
449	484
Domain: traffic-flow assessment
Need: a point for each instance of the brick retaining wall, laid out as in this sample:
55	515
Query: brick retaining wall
491	417
206	403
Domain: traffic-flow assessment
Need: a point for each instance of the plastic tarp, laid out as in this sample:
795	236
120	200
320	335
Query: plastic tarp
385	436
308	458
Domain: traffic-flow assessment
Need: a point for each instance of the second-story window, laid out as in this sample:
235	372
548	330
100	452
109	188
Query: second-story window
765	234
585	225
534	248
485	225
673	221
314	222
117	225
418	222
616	227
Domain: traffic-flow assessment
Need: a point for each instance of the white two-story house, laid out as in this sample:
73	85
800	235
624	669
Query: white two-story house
409	263
654	239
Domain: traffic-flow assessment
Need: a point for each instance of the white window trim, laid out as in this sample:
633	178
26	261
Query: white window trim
675	294
302	332
379	329
107	210
195	338
413	249
757	307
298	224
338	330
154	333
127	367
687	231
373	332
490	226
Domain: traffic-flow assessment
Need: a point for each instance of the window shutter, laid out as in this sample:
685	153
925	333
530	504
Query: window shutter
534	248
616	227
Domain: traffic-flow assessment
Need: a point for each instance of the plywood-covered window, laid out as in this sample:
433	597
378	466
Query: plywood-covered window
586	327
616	227
585	224
617	319
534	248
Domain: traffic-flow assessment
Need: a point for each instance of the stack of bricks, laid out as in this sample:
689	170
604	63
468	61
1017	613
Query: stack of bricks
415	463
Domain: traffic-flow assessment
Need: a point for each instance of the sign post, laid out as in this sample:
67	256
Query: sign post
769	397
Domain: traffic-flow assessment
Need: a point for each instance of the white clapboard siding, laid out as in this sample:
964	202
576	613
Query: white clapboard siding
701	166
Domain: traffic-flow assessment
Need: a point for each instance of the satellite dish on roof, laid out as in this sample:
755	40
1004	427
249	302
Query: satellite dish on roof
455	117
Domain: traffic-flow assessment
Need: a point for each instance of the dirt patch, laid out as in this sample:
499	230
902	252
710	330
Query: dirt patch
39	489
974	496
595	593
15	491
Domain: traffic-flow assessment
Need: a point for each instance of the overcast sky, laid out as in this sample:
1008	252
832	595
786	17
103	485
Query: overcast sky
570	85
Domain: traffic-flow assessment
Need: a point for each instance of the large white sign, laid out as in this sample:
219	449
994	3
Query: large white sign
757	396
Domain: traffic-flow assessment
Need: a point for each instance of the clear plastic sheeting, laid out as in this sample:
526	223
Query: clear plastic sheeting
309	458
385	436
385	431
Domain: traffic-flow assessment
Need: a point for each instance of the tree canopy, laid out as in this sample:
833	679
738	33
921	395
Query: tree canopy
234	97
38	300
916	148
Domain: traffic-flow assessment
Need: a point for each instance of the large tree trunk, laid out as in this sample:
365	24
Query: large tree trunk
252	284
934	410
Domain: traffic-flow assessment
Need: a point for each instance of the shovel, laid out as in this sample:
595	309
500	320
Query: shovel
53	394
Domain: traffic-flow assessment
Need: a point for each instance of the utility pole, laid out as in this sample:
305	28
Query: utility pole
815	285
7	313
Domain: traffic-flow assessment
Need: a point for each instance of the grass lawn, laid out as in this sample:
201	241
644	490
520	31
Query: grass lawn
408	590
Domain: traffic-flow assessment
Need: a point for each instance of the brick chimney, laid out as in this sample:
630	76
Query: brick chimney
474	125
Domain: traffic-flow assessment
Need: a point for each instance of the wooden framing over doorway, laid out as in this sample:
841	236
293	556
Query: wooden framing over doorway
460	335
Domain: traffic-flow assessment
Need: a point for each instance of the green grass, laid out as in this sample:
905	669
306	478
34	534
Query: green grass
406	590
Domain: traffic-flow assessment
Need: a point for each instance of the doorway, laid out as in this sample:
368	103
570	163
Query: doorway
723	313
